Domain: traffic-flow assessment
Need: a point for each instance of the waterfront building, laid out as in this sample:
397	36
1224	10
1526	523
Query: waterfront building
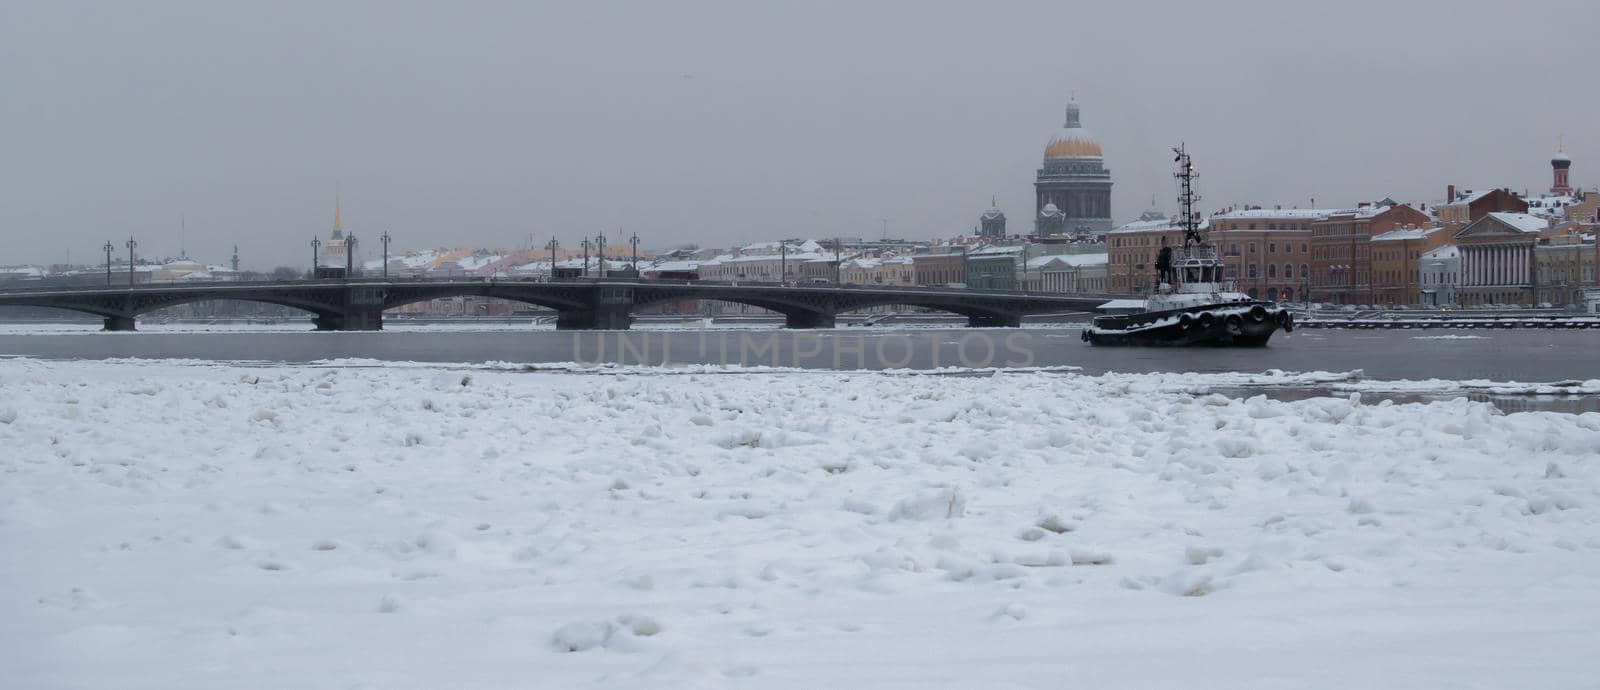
1497	258
895	271
1439	272
1131	253
994	268
1267	252
1073	179
1066	273
939	269
1396	263
1564	265
1465	206
1341	250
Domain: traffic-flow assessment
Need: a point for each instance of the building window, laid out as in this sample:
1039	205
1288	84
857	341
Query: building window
1252	247
1252	270
1305	271
1272	270
1272	247
1302	247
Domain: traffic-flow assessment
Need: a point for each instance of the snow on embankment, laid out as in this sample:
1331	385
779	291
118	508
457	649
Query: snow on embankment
224	526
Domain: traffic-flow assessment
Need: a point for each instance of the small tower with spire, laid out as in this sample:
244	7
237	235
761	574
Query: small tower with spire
338	229
235	262
1559	164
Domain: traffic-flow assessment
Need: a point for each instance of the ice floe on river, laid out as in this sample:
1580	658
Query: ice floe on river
188	525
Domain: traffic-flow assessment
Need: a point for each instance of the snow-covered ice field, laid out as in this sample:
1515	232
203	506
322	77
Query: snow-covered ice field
181	525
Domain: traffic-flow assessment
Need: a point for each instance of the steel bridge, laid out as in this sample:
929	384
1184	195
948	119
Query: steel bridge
580	303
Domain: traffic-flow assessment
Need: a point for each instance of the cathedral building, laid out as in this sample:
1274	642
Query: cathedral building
992	223
1073	189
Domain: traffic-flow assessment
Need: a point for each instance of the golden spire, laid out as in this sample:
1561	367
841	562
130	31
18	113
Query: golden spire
338	230
994	201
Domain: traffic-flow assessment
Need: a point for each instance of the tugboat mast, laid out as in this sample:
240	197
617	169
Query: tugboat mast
1187	197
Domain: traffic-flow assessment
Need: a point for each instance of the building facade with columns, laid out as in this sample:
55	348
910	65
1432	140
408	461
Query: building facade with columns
1073	179
1497	259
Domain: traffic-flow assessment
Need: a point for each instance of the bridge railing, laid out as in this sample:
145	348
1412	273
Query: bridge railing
492	280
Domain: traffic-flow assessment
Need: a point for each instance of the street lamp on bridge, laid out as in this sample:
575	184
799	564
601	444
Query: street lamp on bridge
316	247
385	238
600	250
349	255
108	249
131	245
586	244
552	247
634	240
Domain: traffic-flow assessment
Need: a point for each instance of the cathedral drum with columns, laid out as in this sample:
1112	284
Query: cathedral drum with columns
1073	191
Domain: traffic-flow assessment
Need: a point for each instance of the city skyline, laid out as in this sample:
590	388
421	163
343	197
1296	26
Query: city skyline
430	141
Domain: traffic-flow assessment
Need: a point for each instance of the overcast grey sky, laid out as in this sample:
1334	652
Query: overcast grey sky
478	123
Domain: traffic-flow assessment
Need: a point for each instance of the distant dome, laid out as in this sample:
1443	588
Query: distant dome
992	213
1560	160
1049	210
1073	141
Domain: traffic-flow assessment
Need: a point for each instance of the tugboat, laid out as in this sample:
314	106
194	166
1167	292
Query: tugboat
1193	304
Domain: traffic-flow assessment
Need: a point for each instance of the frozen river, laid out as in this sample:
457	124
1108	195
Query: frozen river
1528	356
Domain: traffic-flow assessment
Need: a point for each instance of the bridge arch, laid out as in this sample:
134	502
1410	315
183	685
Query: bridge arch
121	312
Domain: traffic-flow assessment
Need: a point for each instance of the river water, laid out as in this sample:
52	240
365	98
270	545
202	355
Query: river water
1501	355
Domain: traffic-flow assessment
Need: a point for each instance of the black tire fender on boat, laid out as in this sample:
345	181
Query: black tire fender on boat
1281	318
1258	313
1207	319
1234	323
1186	321
1288	323
1086	335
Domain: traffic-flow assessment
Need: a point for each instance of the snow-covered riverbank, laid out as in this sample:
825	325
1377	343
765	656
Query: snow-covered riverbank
183	525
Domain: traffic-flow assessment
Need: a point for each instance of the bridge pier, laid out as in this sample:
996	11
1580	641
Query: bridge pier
606	317
119	323
353	320
807	319
994	320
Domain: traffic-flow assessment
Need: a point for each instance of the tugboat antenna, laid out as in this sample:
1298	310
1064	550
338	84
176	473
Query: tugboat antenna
1187	197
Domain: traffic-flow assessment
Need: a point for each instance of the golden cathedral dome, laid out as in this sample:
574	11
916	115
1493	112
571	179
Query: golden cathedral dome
1073	141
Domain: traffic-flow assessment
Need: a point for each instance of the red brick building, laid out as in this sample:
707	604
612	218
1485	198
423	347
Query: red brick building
1341	250
1267	252
1462	207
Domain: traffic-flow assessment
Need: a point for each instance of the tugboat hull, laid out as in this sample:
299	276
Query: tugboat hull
1230	325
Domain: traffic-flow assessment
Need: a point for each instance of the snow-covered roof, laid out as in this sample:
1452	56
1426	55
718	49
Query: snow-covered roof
1291	213
998	251
792	256
1448	251
474	262
1069	260
1146	226
1523	222
663	266
1467	196
1405	234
